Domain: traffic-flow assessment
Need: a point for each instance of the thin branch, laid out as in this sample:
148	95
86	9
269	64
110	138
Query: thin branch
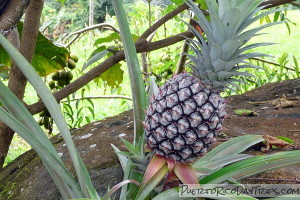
274	3
163	20
101	97
79	32
102	67
295	4
272	63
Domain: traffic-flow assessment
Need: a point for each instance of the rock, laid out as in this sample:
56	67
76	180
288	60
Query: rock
27	179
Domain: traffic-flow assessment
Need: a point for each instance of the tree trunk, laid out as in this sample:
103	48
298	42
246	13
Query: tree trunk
91	13
6	134
17	81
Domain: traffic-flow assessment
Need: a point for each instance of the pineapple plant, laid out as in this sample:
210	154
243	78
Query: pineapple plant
187	113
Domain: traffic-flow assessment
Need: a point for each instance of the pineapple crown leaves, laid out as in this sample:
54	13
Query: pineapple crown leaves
216	60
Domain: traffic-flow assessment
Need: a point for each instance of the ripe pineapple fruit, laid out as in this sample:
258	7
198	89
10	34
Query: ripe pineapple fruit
183	119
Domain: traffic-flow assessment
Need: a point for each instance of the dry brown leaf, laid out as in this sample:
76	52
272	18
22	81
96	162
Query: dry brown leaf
286	102
270	140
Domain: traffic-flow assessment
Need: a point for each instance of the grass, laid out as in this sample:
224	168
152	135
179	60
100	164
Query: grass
17	147
279	34
109	107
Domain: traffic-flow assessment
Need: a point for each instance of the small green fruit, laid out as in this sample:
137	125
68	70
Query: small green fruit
40	121
51	84
161	56
74	57
61	82
55	76
43	114
69	76
46	122
71	64
165	74
165	58
62	74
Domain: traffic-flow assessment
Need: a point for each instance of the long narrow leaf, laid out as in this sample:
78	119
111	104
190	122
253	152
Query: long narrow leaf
155	164
123	160
95	58
186	173
54	109
231	147
126	171
252	166
218	163
118	186
62	178
152	183
135	74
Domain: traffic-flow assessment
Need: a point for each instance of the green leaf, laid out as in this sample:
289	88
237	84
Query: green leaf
118	186
245	112
152	183
113	76
252	166
171	194
34	135
286	139
130	147
47	57
178	2
186	173
97	56
123	160
109	38
276	16
88	120
135	73
156	163
229	148
92	111
54	109
153	87
202	4
218	163
91	102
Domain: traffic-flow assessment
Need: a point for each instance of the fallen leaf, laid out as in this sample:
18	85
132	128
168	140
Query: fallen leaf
244	112
286	102
270	141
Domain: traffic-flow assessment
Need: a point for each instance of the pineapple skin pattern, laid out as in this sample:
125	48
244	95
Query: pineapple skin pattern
187	113
184	118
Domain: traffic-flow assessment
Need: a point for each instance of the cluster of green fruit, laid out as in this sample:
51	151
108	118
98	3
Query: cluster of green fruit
166	62
63	77
55	81
46	120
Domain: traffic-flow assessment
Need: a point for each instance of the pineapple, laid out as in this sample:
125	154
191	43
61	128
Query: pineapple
183	119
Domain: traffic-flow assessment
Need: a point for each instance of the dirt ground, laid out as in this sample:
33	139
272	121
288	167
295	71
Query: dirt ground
276	109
